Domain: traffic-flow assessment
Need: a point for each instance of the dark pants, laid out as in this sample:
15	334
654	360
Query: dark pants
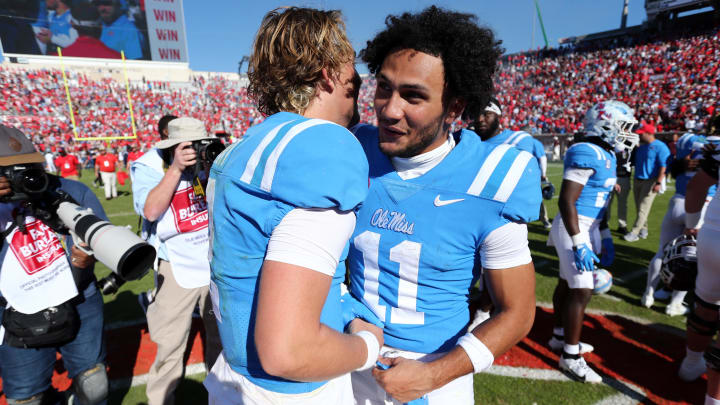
28	372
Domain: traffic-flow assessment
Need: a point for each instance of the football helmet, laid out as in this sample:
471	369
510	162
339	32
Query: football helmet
612	121
690	145
679	265
548	190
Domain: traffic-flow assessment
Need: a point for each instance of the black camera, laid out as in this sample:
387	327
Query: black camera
207	150
28	181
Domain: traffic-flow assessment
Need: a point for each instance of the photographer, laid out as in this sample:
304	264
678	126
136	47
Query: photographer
169	192
42	282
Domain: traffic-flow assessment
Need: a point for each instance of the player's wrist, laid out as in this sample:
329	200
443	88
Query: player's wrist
480	356
373	348
692	219
580	239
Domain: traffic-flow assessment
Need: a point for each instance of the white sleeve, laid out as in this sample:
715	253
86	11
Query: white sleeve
578	175
505	247
311	238
543	166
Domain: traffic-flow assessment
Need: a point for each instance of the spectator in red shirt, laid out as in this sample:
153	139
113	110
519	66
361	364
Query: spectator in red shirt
106	164
68	165
132	156
88	45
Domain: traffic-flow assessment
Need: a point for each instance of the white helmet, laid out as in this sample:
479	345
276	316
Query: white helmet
612	121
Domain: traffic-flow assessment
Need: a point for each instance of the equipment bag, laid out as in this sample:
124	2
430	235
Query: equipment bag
50	327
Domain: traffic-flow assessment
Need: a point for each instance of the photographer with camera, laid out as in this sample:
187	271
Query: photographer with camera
169	190
48	298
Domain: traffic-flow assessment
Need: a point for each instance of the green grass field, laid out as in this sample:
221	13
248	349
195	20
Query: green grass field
623	299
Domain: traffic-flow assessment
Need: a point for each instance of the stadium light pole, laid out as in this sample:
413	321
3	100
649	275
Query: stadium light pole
623	20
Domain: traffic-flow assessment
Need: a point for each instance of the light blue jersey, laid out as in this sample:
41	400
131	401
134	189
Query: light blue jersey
690	145
286	162
415	245
521	140
594	196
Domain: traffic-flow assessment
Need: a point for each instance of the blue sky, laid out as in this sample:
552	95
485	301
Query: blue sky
220	32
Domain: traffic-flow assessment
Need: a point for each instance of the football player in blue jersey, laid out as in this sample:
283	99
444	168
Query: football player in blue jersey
282	206
487	126
588	179
439	205
683	168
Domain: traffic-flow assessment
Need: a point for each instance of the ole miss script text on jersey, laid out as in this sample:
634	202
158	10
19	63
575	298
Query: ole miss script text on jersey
189	210
37	248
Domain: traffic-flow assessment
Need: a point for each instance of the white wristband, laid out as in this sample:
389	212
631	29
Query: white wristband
605	234
692	219
373	348
580	239
480	356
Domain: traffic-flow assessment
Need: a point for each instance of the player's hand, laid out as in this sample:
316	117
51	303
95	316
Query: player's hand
691	232
617	188
357	324
353	308
80	259
585	258
185	156
607	256
656	188
406	379
44	36
5	188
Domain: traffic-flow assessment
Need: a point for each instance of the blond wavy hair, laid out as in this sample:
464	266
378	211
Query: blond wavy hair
291	48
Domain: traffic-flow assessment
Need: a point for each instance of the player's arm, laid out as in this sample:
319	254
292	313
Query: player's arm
569	193
159	198
291	341
695	197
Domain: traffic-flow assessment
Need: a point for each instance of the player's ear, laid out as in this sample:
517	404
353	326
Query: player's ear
455	110
326	82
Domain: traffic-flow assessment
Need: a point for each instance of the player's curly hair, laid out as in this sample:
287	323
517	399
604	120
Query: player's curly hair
291	48
469	52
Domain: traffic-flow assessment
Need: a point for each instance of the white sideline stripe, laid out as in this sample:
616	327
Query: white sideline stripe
272	160
124	383
512	177
487	169
257	153
627	393
122	214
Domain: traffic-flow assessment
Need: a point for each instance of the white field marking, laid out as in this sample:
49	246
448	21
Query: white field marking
637	319
125	383
609	297
627	393
631	276
122	214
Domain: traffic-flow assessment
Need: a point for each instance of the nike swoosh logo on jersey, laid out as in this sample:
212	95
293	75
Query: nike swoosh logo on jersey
440	203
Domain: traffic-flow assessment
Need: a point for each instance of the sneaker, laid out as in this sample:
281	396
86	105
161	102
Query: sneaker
690	370
145	298
579	370
643	234
676	309
557	345
547	225
631	237
622	230
662	294
647	299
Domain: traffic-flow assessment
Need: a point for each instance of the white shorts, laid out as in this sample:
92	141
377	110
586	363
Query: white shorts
226	387
367	391
707	284
563	246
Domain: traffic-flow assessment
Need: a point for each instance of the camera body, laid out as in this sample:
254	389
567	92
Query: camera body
207	150
28	181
